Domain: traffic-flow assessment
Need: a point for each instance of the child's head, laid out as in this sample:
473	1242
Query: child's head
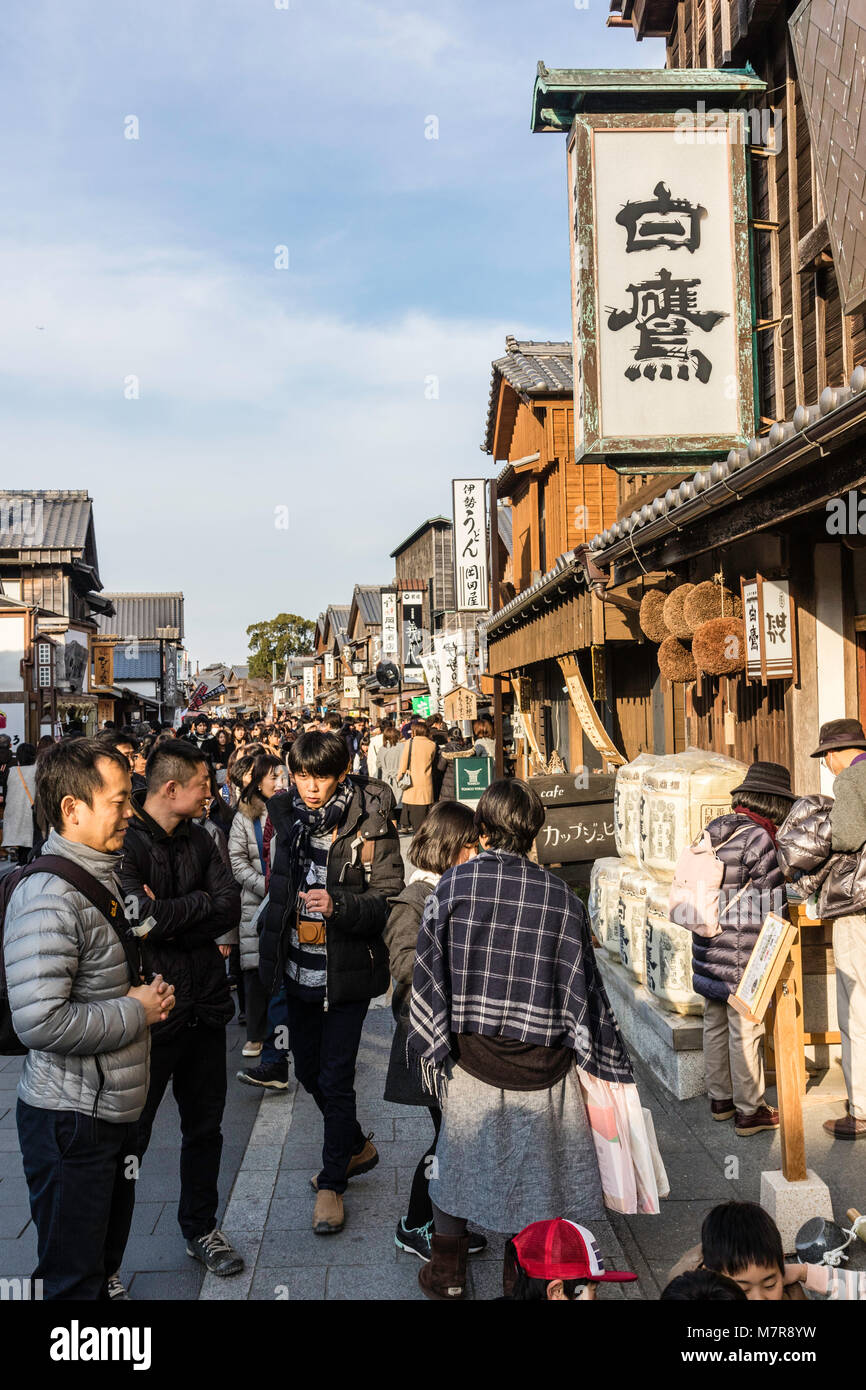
740	1240
447	837
702	1286
558	1261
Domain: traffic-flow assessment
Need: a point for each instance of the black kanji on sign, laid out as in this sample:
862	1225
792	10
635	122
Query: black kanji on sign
665	310
662	221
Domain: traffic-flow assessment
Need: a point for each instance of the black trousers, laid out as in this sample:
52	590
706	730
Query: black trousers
82	1195
324	1044
195	1063
415	816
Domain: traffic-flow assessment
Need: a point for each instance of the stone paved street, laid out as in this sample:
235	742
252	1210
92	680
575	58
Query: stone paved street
273	1146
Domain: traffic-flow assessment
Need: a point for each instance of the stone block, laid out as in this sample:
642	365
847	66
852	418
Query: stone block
791	1204
671	1045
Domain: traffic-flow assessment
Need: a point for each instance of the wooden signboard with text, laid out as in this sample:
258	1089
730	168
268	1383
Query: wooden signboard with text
460	704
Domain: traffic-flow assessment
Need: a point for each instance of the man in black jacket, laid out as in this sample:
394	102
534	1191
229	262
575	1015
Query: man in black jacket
185	900
336	864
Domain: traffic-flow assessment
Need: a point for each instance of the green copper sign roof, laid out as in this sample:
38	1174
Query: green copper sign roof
560	93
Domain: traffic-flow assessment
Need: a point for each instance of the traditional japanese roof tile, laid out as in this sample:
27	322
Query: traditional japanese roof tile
533	370
139	615
745	470
51	519
368	599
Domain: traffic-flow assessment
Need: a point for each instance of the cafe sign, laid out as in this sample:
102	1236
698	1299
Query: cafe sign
661	289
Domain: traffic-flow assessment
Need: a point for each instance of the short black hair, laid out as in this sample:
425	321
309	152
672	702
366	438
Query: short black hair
702	1286
25	754
774	808
737	1234
71	768
333	721
509	815
172	762
448	828
117	739
319	755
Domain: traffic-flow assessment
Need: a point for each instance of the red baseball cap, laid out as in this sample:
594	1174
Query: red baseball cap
561	1249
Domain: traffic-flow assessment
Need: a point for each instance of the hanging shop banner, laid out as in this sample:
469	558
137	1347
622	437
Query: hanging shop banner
421	706
330	671
412	605
470	544
587	713
350	688
103	665
433	676
451	651
771	637
309	685
214	693
520	692
662	301
390	628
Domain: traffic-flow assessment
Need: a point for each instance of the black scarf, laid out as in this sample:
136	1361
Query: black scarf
315	820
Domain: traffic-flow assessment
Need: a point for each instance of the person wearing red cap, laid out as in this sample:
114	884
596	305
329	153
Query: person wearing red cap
558	1260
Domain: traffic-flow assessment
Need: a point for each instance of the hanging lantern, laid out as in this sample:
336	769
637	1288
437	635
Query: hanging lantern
719	646
676	662
651	618
707	601
673	611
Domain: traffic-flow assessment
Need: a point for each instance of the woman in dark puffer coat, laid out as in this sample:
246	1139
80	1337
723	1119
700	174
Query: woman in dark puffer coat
744	839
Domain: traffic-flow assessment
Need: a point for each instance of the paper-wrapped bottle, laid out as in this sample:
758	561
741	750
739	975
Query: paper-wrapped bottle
633	888
668	956
604	902
679	797
626	806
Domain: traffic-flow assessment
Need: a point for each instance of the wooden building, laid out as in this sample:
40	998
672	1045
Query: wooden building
551	622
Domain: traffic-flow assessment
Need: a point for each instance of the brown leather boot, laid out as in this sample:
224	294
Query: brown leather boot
328	1215
765	1117
847	1128
359	1163
444	1277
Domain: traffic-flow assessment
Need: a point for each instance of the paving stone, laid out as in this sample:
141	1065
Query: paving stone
291	1284
176	1285
296	1213
13	1221
351	1246
145	1217
376	1281
18	1256
157	1252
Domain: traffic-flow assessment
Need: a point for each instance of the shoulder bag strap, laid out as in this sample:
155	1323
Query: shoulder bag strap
97	894
260	841
25	786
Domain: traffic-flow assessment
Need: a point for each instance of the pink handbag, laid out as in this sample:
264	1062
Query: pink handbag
633	1177
695	893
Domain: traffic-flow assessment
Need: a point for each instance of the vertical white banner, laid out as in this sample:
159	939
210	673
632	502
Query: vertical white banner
330	673
309	685
390	627
451	653
470	544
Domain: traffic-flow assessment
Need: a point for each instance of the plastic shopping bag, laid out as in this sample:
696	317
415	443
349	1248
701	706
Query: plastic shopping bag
632	1173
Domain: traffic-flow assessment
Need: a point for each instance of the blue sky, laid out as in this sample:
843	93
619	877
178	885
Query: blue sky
151	352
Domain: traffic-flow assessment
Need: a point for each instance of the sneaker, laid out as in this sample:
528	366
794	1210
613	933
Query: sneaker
214	1251
252	1049
273	1076
721	1109
764	1118
366	1158
116	1289
415	1240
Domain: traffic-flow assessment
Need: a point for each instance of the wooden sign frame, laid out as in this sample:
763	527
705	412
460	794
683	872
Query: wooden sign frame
770	953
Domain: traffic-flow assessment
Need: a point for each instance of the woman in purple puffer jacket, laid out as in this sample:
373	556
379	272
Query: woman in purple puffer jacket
744	839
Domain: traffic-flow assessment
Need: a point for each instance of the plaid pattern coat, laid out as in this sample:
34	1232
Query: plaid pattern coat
504	950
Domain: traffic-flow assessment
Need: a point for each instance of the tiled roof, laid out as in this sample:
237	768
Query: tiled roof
744	470
533	369
45	519
369	601
135	663
139	615
419	531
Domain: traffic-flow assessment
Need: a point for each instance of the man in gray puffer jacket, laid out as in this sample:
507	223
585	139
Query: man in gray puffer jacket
822	847
85	1076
